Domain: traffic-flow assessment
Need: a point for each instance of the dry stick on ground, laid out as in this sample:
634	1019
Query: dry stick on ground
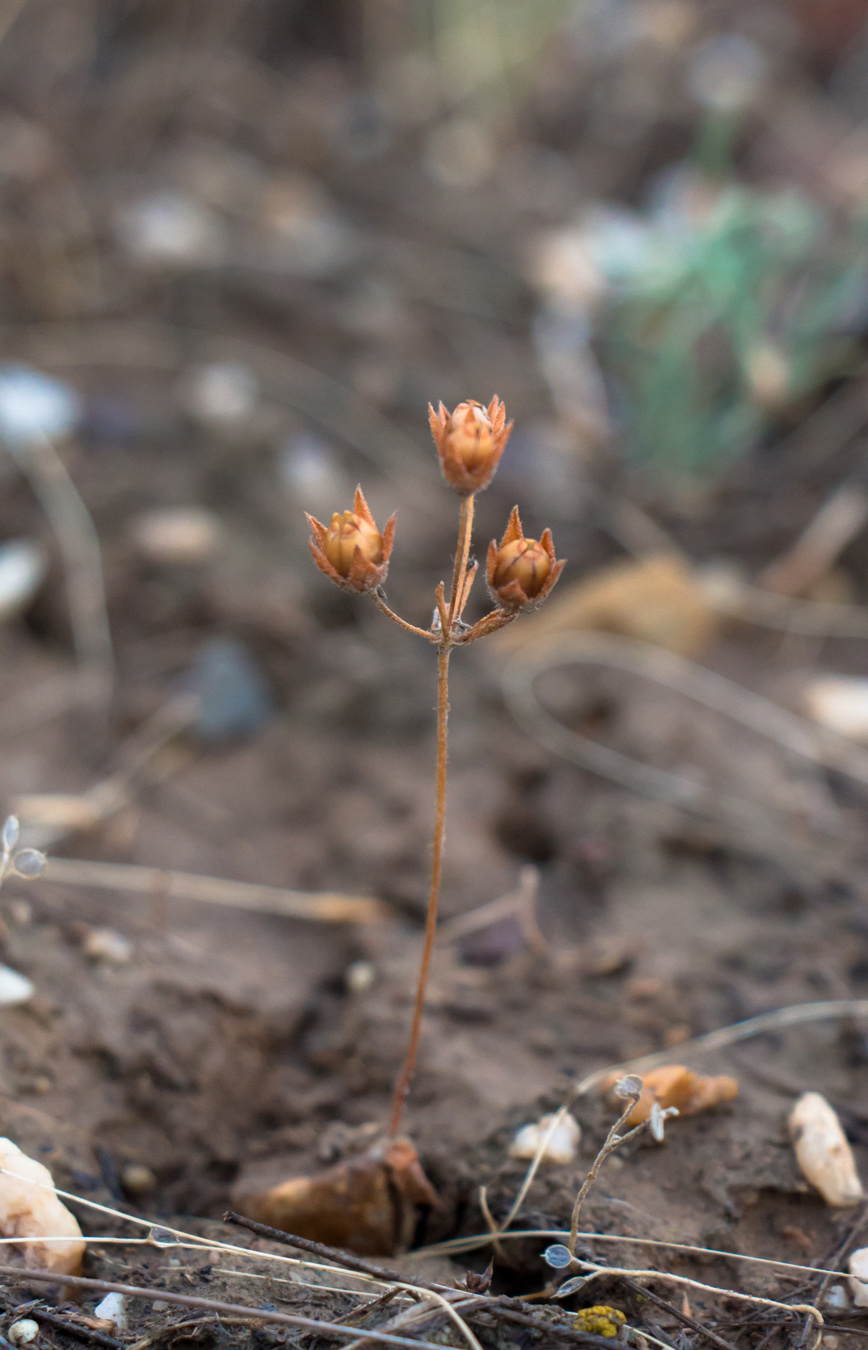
81	1333
683	1317
23	1275
151	881
497	1307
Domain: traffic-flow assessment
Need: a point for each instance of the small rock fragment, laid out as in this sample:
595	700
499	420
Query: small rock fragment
858	1281
221	394
359	976
23	565
679	1087
837	1299
106	944
168	229
234	698
823	1153
561	1147
137	1179
23	1331
30	1208
177	536
33	404
14	988
113	1311
840	704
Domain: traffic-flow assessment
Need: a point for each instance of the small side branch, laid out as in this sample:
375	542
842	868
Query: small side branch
380	601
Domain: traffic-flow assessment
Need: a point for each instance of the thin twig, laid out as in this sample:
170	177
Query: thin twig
613	1140
324	908
23	1275
380	601
334	1254
81	1333
677	1313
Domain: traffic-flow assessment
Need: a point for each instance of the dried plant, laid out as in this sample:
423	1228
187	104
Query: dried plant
520	571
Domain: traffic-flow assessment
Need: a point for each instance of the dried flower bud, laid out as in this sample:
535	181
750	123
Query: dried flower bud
521	572
470	442
350	550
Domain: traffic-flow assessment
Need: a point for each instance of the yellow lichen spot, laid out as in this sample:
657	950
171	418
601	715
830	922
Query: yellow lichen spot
601	1320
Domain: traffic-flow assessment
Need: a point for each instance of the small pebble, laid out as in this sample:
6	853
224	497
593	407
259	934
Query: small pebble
221	394
823	1153
112	1309
234	698
837	1299
137	1179
14	988
23	565
561	1147
170	228
179	536
840	704
359	977
23	1331
858	1281
33	405
105	944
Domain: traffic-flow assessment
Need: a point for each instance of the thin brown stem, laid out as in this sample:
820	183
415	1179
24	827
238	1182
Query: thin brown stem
396	618
613	1139
462	553
406	1074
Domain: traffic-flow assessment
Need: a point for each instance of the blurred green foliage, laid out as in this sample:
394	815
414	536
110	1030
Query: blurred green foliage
718	327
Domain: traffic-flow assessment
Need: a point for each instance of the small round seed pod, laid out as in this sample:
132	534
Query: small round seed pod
350	550
470	441
520	571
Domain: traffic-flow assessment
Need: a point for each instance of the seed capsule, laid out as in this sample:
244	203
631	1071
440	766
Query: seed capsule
521	572
350	550
470	441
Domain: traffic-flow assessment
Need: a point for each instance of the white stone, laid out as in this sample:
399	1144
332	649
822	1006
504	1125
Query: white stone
178	535
23	565
33	405
112	1309
30	1208
14	988
858	1267
837	1299
222	393
562	1146
822	1151
840	704
105	944
170	228
23	1331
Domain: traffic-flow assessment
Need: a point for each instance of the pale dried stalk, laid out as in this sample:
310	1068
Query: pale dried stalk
152	881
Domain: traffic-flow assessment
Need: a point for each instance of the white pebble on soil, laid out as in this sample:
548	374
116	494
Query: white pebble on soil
176	536
858	1267
562	1145
112	1309
30	1208
23	1331
14	988
822	1151
104	944
23	565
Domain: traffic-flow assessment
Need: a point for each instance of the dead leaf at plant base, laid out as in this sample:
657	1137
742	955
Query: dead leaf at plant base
367	1204
675	1085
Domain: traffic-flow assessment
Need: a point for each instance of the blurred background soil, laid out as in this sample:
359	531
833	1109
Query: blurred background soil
247	241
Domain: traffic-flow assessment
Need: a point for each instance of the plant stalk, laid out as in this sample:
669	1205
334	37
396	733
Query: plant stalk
444	651
404	1077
